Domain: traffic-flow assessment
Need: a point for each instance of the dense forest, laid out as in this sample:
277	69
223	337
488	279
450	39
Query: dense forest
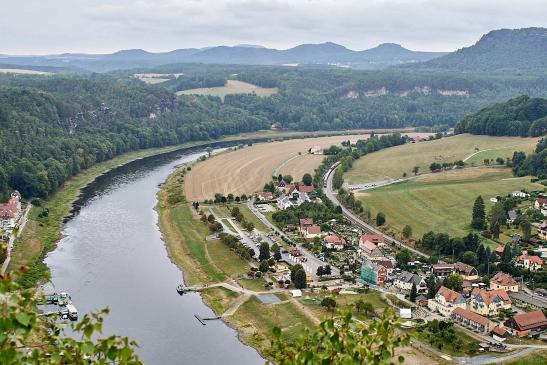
522	116
534	164
51	128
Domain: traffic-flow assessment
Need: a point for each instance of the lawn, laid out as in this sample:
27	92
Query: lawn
535	358
250	217
468	344
253	284
391	163
219	299
231	87
441	202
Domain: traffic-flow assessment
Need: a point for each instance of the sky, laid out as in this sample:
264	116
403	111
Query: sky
101	26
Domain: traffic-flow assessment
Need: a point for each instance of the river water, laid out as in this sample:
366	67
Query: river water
112	254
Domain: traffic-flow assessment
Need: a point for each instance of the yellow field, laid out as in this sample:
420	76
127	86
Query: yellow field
231	87
391	163
23	72
298	165
151	78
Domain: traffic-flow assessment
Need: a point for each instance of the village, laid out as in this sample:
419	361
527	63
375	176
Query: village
12	220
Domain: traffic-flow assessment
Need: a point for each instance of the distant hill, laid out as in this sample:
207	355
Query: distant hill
328	53
504	49
523	116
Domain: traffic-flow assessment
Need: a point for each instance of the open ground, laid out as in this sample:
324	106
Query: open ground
442	201
391	163
231	87
246	170
154	78
23	71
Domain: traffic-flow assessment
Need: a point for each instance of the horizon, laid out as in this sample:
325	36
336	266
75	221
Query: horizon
99	27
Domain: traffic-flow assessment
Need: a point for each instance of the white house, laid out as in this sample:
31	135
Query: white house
529	262
445	301
405	280
520	194
283	202
10	211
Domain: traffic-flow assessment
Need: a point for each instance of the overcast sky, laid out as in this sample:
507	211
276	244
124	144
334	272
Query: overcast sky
96	26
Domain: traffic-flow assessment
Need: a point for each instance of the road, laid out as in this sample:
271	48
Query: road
22	222
331	195
312	262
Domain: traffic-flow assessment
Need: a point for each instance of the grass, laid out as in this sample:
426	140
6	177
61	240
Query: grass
535	358
219	299
250	217
24	71
468	345
252	284
393	162
231	87
442	202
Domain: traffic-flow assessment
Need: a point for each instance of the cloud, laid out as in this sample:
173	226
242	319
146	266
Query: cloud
98	25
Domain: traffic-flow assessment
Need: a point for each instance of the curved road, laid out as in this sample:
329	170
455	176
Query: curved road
360	223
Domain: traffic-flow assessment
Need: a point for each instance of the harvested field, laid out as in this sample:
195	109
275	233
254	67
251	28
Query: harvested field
391	163
231	87
300	165
23	71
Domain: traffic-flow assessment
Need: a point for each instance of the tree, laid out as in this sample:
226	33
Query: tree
319	271
294	269
342	340
415	170
403	257
526	229
407	231
454	282
264	265
264	252
380	219
360	305
435	166
307	179
277	256
274	248
497	218
300	281
479	215
287	178
470	258
279	178
30	338
413	293
327	270
329	303
431	283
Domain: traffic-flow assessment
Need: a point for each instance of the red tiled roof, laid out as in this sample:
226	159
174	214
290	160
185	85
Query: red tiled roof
368	246
474	317
504	279
335	239
305	188
489	295
499	250
460	267
306	221
500	331
541	200
530	320
375	238
388	264
313	230
449	295
534	259
9	209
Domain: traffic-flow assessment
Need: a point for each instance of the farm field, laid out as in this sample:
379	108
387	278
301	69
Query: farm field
391	163
231	87
246	170
441	202
23	71
154	78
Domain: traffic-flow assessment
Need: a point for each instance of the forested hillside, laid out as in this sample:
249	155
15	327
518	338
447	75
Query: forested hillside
51	128
522	116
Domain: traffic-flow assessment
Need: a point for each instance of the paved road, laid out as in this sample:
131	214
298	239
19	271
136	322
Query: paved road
313	262
22	223
358	222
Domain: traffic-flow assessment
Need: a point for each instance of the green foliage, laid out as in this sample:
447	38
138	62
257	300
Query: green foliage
329	303
454	282
342	340
497	218
380	219
307	179
413	293
407	231
479	214
28	338
264	250
534	164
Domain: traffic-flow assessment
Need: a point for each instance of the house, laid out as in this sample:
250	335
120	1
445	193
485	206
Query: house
471	320
373	273
421	300
406	279
265	195
529	262
499	250
334	241
283	202
301	187
311	232
511	216
296	293
540	202
10	211
388	264
489	302
377	239
526	322
505	282
500	333
305	223
520	194
281	185
468	272
542	232
369	250
302	198
316	150
445	301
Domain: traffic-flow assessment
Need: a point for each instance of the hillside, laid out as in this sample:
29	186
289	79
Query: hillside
522	116
505	49
326	53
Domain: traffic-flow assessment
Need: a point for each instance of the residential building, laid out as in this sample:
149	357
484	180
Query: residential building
316	150
523	323
406	279
471	320
377	239
334	241
499	250
445	301
311	232
540	202
520	194
489	302
388	264
283	202
468	272
511	216
529	262
305	223
421	300
504	281
281	185
10	211
308	189
265	195
302	198
370	250
373	273
542	232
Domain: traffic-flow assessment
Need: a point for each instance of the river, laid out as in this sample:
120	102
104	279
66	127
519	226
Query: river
112	254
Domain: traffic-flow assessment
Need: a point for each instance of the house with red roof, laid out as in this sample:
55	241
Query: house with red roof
540	202
471	320
265	195
504	281
305	223
529	262
311	232
445	301
489	302
10	211
369	250
377	239
523	323
334	241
